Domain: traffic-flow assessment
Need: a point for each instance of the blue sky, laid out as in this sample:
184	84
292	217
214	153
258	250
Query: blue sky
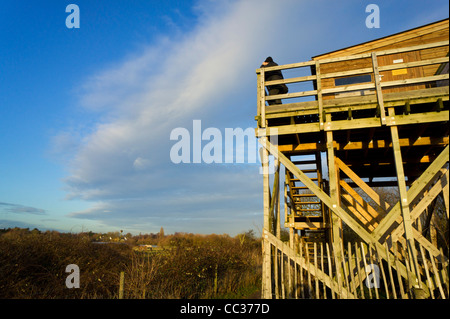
86	114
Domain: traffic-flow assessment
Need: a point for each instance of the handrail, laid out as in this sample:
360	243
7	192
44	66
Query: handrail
376	84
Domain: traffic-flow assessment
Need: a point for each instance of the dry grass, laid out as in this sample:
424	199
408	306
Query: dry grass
33	264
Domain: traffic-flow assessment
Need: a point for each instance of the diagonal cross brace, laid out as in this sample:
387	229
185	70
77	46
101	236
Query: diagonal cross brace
415	212
415	190
366	236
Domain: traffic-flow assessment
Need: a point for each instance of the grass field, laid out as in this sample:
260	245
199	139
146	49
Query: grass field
33	264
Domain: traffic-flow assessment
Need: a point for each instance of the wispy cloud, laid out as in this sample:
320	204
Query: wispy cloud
21	209
122	165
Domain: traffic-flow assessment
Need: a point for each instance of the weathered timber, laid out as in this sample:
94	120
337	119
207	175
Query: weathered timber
378	112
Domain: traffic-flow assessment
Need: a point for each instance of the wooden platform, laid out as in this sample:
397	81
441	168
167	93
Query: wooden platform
338	143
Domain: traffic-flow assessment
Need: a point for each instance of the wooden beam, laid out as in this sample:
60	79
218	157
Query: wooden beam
307	225
288	129
418	118
360	145
348	88
267	274
416	80
274	200
360	204
359	212
351	125
319	95
261	94
416	188
378	88
291	95
333	177
445	195
358	229
417	211
301	147
404	142
289	66
316	190
428	95
361	184
292	80
404	202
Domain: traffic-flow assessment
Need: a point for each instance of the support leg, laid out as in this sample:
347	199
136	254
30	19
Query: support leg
404	203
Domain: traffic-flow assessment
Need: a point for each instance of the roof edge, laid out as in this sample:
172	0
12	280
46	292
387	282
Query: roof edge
387	36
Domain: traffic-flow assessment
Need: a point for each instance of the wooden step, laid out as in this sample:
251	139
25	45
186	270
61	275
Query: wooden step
298	180
312	170
299	187
304	162
307	203
309	210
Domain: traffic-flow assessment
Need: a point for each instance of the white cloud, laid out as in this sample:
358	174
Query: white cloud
124	167
149	94
141	163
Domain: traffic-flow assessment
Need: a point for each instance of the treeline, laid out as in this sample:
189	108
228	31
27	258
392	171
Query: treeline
33	264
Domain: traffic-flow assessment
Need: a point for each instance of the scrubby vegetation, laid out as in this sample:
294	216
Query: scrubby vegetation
33	264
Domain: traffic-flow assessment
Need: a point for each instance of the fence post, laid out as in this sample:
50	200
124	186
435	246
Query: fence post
215	281
121	284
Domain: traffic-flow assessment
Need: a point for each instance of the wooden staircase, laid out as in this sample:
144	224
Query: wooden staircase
307	210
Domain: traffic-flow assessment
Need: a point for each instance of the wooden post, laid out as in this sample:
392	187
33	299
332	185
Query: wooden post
436	276
319	95
316	277
121	284
267	274
276	227
274	202
359	272
372	260
380	263
427	273
404	203
330	269
337	264
445	194
390	270
261	91
378	88
302	291
363	256
336	222
283	293
344	267
334	188
350	266
323	269
399	277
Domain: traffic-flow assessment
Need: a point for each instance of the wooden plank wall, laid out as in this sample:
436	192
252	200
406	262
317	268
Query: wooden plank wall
425	35
435	32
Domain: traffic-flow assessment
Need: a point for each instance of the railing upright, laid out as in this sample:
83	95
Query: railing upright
261	91
377	80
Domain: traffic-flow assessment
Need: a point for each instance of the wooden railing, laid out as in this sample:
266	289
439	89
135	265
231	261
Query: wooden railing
316	79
